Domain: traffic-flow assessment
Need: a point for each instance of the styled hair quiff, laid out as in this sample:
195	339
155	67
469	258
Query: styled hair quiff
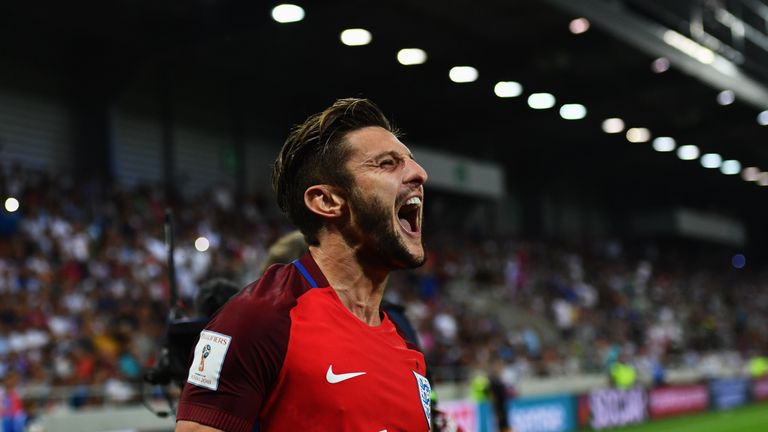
315	153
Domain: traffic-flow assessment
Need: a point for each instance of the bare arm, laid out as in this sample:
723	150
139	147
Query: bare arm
189	426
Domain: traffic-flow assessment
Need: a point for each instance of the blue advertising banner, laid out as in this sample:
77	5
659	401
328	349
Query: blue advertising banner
555	413
729	392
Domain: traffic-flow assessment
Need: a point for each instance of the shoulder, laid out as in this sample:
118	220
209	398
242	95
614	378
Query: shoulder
278	284
239	355
261	304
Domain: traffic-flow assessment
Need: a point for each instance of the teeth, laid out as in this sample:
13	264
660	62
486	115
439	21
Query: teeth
414	200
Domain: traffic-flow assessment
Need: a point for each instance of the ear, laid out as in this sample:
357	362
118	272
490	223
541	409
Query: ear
324	200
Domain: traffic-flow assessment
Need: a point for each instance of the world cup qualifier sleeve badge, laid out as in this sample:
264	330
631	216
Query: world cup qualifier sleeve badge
210	351
425	393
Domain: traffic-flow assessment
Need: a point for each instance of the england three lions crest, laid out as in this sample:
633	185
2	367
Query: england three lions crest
425	395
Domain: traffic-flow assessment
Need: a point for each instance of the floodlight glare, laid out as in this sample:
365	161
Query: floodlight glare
750	174
356	37
660	65
638	135
463	74
762	118
411	56
573	111
541	101
763	179
664	144
689	47
726	97
613	125
579	25
508	89
202	244
11	204
688	152
711	160
287	13
730	167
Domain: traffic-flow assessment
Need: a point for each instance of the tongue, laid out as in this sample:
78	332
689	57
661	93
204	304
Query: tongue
406	225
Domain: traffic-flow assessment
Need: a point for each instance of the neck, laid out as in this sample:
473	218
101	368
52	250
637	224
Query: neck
359	288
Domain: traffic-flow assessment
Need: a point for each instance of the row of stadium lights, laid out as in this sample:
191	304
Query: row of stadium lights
288	13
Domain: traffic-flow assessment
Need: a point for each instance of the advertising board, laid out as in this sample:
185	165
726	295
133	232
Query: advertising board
543	414
760	389
729	393
463	412
674	400
612	407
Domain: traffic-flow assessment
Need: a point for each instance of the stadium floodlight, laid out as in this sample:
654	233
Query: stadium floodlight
578	25
688	152
762	118
660	65
711	160
762	180
202	244
356	37
613	125
730	167
11	204
411	56
750	174
664	144
638	135
541	101
463	74
287	13
726	97
573	111
508	89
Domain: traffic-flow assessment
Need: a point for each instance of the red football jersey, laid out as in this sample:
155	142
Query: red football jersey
287	355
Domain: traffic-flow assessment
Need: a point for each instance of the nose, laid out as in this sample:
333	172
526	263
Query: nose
415	173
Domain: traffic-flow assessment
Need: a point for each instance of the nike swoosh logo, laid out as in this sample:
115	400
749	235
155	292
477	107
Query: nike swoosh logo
337	378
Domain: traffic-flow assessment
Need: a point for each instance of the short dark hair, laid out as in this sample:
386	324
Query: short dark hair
315	153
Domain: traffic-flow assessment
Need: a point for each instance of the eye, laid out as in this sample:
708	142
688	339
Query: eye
388	162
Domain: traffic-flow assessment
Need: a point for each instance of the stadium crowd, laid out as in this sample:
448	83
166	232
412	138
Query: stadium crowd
84	293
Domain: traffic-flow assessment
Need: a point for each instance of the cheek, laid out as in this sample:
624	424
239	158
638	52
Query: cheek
386	191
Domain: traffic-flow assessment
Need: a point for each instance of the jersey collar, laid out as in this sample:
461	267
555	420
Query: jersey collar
310	266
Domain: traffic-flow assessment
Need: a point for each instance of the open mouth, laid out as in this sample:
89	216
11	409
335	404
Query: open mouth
408	215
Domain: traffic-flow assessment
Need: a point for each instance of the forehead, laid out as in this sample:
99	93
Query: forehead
373	140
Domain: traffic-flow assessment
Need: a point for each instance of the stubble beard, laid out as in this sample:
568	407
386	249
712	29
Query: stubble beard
374	220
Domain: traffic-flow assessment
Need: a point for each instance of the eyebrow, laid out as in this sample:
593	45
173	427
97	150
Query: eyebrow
394	154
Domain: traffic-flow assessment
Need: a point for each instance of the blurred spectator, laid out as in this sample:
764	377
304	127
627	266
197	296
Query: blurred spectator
499	394
213	294
11	406
758	366
623	374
